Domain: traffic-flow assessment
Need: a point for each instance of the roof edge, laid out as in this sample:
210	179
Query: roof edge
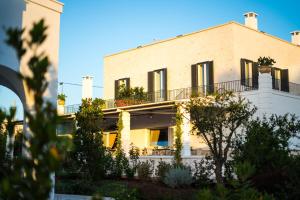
195	32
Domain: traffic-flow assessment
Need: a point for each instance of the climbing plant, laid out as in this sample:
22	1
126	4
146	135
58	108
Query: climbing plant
178	137
120	161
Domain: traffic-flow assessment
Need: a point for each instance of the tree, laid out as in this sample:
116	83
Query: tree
89	152
267	147
217	119
28	177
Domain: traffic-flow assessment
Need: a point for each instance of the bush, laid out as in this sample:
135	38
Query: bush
145	169
118	191
203	172
178	177
220	192
131	165
161	169
119	164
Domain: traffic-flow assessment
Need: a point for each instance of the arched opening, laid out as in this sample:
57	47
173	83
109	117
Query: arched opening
12	95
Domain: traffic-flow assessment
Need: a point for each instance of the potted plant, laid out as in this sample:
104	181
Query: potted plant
130	96
265	64
61	99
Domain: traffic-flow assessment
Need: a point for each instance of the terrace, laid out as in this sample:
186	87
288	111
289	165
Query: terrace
178	94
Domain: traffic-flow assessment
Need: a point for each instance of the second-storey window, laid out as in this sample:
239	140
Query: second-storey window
249	73
157	84
120	84
203	77
280	79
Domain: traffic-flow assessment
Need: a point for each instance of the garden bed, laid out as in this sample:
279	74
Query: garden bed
141	189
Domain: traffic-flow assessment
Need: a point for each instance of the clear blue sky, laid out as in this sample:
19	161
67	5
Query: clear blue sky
91	29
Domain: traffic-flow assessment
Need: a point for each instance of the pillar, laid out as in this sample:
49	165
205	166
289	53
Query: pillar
125	133
264	94
186	131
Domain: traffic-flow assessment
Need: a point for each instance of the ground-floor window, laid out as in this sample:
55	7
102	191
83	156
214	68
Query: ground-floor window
159	137
110	140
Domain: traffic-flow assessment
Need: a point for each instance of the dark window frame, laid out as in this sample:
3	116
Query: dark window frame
117	85
254	71
194	77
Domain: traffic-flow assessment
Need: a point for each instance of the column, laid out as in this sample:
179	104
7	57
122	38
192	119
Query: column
264	94
125	133
186	131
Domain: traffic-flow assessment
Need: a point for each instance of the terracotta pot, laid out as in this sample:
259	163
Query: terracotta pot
61	102
265	69
127	102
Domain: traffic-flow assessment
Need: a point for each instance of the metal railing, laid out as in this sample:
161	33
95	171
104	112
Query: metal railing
172	95
292	88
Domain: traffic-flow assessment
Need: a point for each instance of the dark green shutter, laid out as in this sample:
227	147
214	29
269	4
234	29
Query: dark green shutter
116	88
255	75
243	82
165	84
150	86
284	73
273	77
211	76
194	78
127	83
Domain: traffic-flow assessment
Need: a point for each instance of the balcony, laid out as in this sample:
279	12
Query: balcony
292	88
173	95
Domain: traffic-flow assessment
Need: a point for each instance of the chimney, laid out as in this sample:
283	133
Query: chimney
296	37
87	87
251	20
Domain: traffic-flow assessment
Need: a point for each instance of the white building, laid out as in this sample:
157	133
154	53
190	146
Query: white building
211	60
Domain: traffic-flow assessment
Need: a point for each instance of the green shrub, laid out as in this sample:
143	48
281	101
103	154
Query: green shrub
118	191
202	173
161	169
145	169
178	177
220	192
131	166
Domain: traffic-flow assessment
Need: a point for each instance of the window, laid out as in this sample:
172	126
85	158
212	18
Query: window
280	79
109	140
202	77
157	85
159	137
121	83
277	77
249	73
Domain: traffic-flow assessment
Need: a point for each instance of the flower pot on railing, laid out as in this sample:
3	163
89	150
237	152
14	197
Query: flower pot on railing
128	102
265	69
61	102
265	64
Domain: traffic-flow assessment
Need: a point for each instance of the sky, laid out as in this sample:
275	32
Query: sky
91	29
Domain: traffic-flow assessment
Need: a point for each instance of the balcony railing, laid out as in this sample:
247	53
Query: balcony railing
292	88
176	94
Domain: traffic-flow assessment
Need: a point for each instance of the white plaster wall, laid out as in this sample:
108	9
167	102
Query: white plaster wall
22	14
177	55
281	102
252	44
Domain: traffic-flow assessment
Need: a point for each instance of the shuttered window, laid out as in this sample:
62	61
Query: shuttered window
157	85
249	73
280	79
121	83
202	75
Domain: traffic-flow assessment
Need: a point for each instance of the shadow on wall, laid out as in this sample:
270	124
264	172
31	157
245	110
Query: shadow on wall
10	16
